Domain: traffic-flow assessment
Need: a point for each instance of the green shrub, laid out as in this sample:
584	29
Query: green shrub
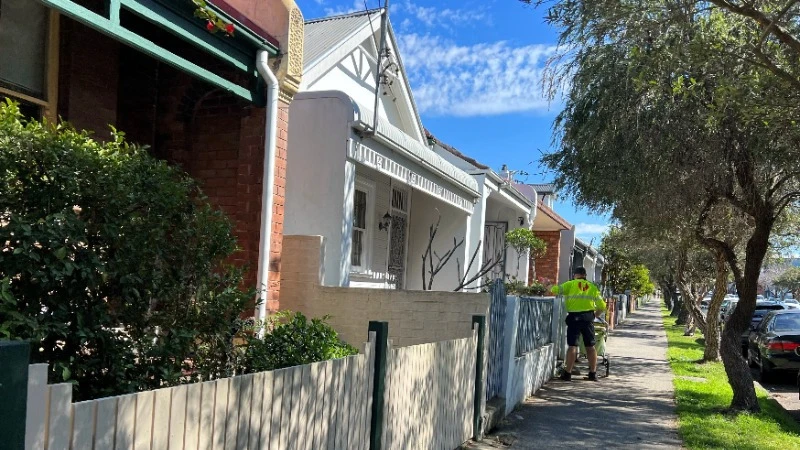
294	340
111	262
520	289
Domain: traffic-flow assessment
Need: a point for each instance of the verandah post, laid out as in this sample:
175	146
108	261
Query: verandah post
480	321
381	330
13	393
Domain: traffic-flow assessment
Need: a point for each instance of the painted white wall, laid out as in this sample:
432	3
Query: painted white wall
565	260
588	264
425	211
319	180
476	223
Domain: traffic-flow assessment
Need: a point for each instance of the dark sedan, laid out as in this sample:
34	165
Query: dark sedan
775	344
762	308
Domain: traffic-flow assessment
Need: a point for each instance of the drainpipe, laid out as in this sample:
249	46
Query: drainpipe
268	183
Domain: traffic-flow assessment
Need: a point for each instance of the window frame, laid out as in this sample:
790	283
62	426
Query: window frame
49	104
368	187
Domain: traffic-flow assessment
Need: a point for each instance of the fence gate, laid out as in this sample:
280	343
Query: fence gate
497	320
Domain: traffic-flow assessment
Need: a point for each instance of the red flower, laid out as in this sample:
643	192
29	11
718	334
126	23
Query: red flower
210	26
229	28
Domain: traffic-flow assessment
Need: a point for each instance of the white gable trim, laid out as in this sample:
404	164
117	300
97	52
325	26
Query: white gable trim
317	69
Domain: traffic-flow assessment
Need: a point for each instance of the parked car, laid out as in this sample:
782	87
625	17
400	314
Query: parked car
774	345
728	305
791	303
762	308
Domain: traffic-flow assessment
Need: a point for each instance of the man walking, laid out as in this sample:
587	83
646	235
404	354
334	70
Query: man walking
583	302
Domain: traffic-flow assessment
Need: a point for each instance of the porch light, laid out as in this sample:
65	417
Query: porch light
521	220
385	222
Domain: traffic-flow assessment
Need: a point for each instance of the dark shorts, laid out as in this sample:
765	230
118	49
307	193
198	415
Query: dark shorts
580	323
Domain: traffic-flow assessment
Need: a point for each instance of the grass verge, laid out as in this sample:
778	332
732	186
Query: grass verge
701	405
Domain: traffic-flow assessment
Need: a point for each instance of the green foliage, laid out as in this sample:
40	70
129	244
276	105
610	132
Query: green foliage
523	240
519	288
294	340
111	262
701	406
789	280
112	266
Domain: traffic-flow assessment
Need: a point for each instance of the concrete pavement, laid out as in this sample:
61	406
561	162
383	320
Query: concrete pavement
633	408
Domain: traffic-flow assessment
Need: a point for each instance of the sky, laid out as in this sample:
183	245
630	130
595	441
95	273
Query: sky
476	70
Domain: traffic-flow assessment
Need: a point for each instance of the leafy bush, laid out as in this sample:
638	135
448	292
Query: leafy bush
111	262
523	240
519	288
294	340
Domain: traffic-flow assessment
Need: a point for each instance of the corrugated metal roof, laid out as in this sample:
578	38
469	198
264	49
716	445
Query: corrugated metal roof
322	35
527	190
542	189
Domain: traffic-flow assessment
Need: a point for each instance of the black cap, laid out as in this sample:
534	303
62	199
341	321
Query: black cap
579	271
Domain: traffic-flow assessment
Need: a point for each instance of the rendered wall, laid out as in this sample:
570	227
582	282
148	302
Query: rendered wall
425	211
318	178
414	317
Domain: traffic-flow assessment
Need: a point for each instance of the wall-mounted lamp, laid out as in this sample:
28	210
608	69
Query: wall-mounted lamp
521	220
385	222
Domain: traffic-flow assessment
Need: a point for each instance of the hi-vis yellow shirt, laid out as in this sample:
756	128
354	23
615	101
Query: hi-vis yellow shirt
580	295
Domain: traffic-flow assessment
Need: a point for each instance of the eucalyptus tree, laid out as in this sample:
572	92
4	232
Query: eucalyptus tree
663	110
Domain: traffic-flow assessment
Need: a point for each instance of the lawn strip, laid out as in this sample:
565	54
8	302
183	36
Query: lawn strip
701	405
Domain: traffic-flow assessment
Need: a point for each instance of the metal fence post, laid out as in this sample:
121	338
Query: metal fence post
13	393
381	330
479	363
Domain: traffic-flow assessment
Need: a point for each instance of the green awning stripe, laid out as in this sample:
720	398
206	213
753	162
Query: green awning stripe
116	31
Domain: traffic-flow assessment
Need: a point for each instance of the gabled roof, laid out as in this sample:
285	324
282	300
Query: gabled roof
546	210
327	39
322	35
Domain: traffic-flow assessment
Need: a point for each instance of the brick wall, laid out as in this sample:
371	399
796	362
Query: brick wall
215	137
547	265
415	317
88	85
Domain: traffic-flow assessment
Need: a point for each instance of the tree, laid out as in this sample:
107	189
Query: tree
790	280
663	86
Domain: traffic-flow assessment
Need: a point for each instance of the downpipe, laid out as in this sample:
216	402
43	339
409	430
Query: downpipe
268	184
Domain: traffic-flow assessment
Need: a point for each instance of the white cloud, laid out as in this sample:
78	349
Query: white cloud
358	5
475	80
590	229
435	17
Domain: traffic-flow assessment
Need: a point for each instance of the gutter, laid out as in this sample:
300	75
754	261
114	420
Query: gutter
268	183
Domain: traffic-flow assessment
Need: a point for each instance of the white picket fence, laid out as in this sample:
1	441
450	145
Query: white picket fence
324	405
430	395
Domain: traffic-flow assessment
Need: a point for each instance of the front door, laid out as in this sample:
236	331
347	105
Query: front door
494	248
398	238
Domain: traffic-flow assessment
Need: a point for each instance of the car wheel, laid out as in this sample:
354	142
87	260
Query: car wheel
764	372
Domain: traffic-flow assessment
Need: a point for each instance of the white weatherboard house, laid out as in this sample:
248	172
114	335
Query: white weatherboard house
500	208
372	190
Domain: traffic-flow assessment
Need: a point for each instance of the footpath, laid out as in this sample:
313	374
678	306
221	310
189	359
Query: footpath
633	408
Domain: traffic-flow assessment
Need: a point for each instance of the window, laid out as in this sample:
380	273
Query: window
362	232
29	55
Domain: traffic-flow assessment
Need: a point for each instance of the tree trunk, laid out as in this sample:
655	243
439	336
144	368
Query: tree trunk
739	376
712	334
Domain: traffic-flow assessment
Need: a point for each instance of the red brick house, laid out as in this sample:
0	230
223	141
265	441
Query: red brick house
556	232
213	103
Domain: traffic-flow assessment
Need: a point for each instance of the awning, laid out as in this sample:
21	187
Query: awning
378	157
238	51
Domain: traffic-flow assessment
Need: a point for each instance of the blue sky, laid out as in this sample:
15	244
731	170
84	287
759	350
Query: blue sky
476	73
